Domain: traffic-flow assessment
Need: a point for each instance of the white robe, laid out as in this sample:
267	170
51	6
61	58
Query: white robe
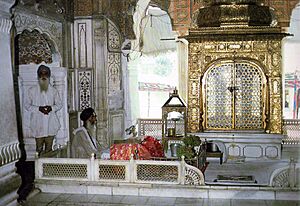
83	145
42	125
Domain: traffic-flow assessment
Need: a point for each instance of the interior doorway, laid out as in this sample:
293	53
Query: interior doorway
234	96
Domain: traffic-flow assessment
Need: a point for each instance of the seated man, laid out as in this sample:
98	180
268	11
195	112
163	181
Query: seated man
84	142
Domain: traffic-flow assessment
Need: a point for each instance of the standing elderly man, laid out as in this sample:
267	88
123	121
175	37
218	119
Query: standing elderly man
43	101
84	142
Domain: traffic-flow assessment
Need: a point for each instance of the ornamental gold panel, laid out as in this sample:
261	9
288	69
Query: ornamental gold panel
234	96
257	59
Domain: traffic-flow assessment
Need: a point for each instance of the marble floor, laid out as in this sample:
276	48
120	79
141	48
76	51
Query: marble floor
52	199
260	170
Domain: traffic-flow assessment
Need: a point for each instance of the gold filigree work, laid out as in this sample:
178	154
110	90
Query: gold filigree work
204	53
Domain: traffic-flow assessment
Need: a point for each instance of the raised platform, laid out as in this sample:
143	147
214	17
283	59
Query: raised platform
244	146
185	191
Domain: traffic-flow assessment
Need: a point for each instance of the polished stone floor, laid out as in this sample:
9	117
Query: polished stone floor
51	199
261	170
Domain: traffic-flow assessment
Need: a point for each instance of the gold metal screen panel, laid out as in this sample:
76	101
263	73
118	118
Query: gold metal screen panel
64	170
156	173
248	97
112	172
218	97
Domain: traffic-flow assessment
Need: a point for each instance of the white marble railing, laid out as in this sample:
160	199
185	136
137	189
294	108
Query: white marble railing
291	131
131	171
9	153
153	127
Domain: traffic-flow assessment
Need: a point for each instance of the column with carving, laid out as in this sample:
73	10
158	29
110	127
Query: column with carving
101	106
275	84
9	146
8	124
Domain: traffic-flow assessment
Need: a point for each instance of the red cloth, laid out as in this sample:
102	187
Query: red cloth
153	146
123	151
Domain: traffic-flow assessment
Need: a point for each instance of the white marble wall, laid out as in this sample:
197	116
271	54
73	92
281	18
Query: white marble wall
97	47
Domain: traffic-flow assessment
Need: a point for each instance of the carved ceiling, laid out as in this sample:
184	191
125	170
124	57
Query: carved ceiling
181	11
118	11
121	11
58	9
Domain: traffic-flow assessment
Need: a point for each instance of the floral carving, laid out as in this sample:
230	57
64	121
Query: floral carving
33	47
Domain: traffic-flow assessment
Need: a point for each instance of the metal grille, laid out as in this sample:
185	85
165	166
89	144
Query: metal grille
164	173
291	130
114	172
234	97
65	170
219	98
248	107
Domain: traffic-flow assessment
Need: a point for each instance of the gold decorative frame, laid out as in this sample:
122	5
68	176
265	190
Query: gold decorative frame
262	50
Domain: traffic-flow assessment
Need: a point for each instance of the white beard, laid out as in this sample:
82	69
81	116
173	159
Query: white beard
91	128
44	84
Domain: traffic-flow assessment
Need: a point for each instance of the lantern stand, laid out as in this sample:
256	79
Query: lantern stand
174	124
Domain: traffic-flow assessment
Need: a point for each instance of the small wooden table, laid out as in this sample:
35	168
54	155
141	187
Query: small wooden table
218	154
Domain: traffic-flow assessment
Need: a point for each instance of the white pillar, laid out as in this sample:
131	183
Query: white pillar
8	121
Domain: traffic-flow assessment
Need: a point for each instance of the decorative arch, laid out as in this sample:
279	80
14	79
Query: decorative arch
50	31
234	95
34	47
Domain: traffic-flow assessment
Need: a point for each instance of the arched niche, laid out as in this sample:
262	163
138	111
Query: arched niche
34	47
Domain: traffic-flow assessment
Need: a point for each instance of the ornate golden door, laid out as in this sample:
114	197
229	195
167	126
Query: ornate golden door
234	96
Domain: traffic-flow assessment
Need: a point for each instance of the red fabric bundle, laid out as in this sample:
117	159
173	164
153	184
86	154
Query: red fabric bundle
123	152
153	146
